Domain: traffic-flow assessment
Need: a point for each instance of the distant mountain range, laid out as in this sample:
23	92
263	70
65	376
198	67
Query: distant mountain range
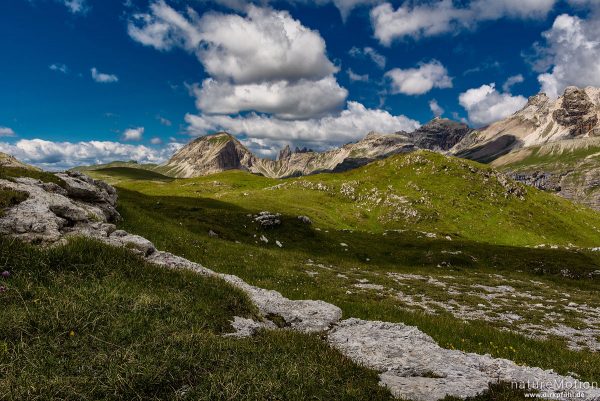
221	151
551	144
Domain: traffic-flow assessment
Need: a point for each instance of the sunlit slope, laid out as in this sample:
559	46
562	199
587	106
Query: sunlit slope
421	191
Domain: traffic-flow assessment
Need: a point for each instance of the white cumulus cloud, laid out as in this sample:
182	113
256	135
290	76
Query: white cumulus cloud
264	61
6	131
345	7
102	77
435	108
357	77
288	100
486	105
76	6
59	67
420	80
422	19
133	134
62	155
511	81
263	45
351	124
571	51
368	52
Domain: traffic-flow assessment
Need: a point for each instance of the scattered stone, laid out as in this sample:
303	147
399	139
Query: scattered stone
267	219
279	244
305	219
264	239
343	244
212	234
378	287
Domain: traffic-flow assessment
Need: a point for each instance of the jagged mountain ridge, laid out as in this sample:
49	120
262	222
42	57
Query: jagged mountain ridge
222	151
10	161
553	145
574	115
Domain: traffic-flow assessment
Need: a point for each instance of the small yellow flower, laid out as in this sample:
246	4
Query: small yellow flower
71	333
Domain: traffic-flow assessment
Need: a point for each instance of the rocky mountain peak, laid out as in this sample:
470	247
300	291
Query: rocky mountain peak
577	113
285	153
440	134
537	100
210	154
9	161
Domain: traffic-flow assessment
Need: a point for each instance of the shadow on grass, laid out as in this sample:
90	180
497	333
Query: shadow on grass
409	248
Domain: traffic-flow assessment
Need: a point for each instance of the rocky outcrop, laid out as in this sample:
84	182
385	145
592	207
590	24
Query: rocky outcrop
51	212
414	367
410	363
285	153
10	161
440	134
577	113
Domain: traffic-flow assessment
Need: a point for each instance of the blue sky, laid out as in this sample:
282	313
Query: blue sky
87	81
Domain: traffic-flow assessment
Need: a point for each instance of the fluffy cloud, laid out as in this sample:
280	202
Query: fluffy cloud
133	134
264	61
435	108
420	80
511	81
270	67
59	67
287	100
6	131
357	77
571	53
63	155
103	78
76	6
156	141
263	45
413	19
349	125
486	105
369	52
164	121
344	6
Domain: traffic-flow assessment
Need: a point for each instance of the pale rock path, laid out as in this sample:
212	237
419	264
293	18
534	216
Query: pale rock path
411	364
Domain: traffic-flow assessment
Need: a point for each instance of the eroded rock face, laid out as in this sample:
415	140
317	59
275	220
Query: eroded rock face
413	366
49	213
577	112
440	134
301	315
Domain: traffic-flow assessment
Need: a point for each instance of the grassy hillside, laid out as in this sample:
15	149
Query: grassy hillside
130	164
560	156
422	191
86	322
467	232
132	173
